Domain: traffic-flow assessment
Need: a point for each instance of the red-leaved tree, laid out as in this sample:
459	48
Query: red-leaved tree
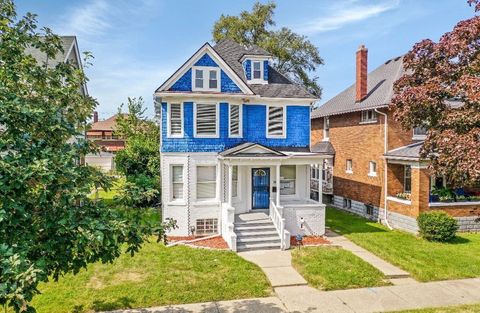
441	91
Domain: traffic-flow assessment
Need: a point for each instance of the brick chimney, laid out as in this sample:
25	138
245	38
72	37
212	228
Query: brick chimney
95	116
361	76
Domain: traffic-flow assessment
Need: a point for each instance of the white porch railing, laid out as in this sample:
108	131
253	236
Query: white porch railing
228	233
279	222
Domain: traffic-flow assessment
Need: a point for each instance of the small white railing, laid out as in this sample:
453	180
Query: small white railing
279	223
228	233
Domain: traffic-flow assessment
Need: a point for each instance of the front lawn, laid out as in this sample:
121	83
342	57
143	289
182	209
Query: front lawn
330	268
155	276
469	308
425	261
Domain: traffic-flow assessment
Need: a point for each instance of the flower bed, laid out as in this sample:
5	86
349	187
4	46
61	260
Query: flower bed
309	241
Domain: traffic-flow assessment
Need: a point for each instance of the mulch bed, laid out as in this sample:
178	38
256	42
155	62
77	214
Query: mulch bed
211	243
179	238
309	241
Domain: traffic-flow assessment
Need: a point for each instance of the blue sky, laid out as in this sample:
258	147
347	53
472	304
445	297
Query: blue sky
137	44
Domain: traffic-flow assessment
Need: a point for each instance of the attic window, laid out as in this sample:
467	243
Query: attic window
205	78
257	70
276	122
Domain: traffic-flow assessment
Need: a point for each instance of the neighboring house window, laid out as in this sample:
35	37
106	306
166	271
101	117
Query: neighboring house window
369	209
206	182
407	179
349	166
347	203
177	182
288	176
276	121
326	128
175	120
206	79
235	120
235	181
314	175
372	168
206	226
206	117
419	133
369	116
257	70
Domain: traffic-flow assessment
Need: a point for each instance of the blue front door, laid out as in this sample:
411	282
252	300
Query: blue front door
260	188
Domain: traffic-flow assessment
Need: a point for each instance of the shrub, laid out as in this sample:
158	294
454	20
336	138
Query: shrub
437	226
140	191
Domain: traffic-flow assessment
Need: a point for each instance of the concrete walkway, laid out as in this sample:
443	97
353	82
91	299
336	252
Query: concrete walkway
277	265
390	271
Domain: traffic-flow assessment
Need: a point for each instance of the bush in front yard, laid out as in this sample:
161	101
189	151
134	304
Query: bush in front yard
437	226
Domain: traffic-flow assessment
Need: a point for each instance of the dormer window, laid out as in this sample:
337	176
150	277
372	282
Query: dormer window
257	70
205	78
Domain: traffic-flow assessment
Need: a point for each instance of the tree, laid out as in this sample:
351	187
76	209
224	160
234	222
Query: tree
294	55
48	224
440	90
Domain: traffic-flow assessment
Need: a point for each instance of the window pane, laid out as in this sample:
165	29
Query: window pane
212	82
287	179
206	173
206	182
177	182
198	78
206	119
256	70
288	171
420	131
175	119
275	121
234	119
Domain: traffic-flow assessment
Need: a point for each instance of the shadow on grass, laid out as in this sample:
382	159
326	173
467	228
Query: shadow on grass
349	223
122	302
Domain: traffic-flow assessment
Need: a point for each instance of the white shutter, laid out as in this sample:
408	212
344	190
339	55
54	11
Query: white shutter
206	182
234	119
175	119
206	119
177	182
275	121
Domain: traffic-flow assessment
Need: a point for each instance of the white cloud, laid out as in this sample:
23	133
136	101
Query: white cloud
347	13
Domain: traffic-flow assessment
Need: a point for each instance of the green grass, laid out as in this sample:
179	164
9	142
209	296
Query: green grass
155	276
424	260
330	268
469	308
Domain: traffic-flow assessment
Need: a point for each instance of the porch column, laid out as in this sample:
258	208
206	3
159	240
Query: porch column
278	185
320	182
230	179
219	180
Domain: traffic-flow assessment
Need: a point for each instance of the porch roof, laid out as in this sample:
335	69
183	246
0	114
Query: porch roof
409	152
251	149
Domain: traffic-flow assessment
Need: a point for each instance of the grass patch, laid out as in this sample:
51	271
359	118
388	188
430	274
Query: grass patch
330	268
155	276
469	308
424	260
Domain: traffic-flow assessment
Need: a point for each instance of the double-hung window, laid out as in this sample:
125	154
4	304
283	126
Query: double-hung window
372	168
206	78
326	128
177	182
276	121
206	182
257	70
175	119
288	176
369	116
206	120
419	133
235	120
349	166
407	179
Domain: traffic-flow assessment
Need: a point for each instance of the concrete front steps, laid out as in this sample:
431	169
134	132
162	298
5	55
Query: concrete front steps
255	231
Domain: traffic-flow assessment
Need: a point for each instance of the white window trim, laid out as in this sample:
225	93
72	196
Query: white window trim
326	120
405	178
238	183
206	77
240	121
367	121
348	171
290	195
370	173
169	134
257	80
179	201
207	201
284	122
418	137
216	135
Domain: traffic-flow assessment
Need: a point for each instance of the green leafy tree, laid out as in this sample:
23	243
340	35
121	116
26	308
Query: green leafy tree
294	55
48	225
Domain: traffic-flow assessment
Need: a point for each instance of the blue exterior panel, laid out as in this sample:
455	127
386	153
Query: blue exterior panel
254	130
247	67
265	70
206	60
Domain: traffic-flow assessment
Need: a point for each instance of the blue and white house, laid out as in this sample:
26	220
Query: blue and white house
235	150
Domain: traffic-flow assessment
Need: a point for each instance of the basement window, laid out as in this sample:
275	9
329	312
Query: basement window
206	226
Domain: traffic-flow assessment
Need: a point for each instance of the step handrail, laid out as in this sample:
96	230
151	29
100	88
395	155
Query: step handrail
279	223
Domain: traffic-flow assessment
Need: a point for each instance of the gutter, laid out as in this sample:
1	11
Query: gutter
385	144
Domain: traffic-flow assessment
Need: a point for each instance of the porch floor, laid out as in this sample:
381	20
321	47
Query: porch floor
252	216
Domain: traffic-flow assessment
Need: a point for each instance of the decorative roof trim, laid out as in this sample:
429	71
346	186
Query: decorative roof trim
351	111
196	94
255	57
206	48
74	47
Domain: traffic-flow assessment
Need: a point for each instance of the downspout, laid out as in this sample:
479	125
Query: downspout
385	149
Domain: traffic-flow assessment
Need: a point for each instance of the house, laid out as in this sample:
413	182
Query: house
235	150
377	169
103	134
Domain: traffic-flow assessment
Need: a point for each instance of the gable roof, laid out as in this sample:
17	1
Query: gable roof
278	85
108	124
241	150
380	91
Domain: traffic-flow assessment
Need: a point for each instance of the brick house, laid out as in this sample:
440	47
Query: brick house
235	150
376	163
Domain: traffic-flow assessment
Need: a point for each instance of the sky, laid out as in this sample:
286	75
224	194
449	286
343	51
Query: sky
138	44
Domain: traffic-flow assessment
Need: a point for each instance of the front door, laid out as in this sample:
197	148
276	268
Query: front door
260	188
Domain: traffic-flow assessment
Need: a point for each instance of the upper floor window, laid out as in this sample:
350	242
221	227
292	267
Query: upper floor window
177	182
369	116
419	133
235	120
206	182
326	128
206	120
257	70
175	120
349	166
206	78
372	168
276	121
